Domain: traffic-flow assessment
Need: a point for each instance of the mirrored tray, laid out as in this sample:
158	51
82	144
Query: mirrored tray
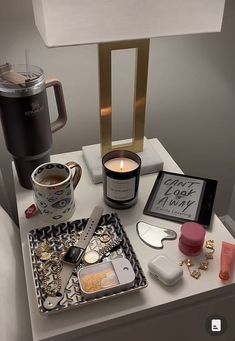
63	235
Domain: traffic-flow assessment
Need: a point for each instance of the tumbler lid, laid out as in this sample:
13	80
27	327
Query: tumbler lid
21	80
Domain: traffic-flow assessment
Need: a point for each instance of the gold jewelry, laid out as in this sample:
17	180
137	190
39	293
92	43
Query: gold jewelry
45	256
75	236
43	247
52	287
104	238
51	265
203	265
100	230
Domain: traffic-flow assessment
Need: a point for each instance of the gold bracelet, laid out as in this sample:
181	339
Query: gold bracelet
204	264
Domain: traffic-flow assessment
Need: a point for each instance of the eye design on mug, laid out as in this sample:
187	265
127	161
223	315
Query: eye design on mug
43	204
38	194
49	166
51	199
59	192
61	203
60	166
40	170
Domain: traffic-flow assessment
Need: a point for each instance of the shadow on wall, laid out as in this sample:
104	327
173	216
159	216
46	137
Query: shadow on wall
7	189
191	103
231	210
4	200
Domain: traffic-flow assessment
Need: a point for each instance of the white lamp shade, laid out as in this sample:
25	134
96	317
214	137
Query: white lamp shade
73	22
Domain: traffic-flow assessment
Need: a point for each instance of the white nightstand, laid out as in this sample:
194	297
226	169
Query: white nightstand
123	317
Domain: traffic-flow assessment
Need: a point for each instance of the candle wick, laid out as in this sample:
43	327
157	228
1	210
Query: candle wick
121	165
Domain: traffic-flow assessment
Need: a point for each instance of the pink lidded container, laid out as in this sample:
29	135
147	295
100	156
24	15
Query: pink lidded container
192	238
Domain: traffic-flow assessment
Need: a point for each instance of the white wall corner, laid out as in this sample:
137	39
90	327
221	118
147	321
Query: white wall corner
229	223
231	210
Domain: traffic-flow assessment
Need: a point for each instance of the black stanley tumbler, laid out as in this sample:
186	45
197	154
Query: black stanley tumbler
25	116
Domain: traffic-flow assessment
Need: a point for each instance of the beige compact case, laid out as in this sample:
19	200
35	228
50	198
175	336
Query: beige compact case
106	278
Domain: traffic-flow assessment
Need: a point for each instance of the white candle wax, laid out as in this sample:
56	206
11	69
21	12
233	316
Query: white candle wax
121	164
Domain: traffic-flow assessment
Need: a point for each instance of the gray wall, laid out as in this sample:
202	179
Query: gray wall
191	100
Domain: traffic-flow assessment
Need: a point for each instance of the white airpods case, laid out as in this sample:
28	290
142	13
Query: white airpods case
167	271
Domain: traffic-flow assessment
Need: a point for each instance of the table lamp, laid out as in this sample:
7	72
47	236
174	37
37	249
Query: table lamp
119	25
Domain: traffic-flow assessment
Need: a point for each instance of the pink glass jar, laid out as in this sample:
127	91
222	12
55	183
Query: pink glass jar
192	238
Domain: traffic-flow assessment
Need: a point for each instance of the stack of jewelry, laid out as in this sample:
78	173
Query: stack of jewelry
50	265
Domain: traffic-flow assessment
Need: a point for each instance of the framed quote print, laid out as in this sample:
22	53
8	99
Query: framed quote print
182	198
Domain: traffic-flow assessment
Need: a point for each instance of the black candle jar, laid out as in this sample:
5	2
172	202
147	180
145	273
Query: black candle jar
121	173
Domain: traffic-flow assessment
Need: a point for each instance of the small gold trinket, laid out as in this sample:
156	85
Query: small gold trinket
100	230
203	265
56	267
188	262
45	256
56	256
195	274
104	238
42	247
67	244
53	287
45	279
209	255
75	236
210	244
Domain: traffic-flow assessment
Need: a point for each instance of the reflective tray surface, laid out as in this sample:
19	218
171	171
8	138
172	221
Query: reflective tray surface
63	235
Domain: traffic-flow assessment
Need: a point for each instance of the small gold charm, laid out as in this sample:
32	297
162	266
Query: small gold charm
104	238
42	247
67	244
56	256
100	230
188	262
53	287
203	265
46	266
210	244
209	255
45	256
56	267
75	236
195	274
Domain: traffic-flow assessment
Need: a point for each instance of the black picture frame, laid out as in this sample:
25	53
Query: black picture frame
181	198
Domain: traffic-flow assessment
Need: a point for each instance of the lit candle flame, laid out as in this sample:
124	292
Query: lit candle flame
121	165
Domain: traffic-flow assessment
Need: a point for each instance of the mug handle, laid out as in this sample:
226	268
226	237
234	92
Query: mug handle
60	103
77	174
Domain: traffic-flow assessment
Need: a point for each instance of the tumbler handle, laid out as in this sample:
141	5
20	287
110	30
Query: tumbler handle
59	96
